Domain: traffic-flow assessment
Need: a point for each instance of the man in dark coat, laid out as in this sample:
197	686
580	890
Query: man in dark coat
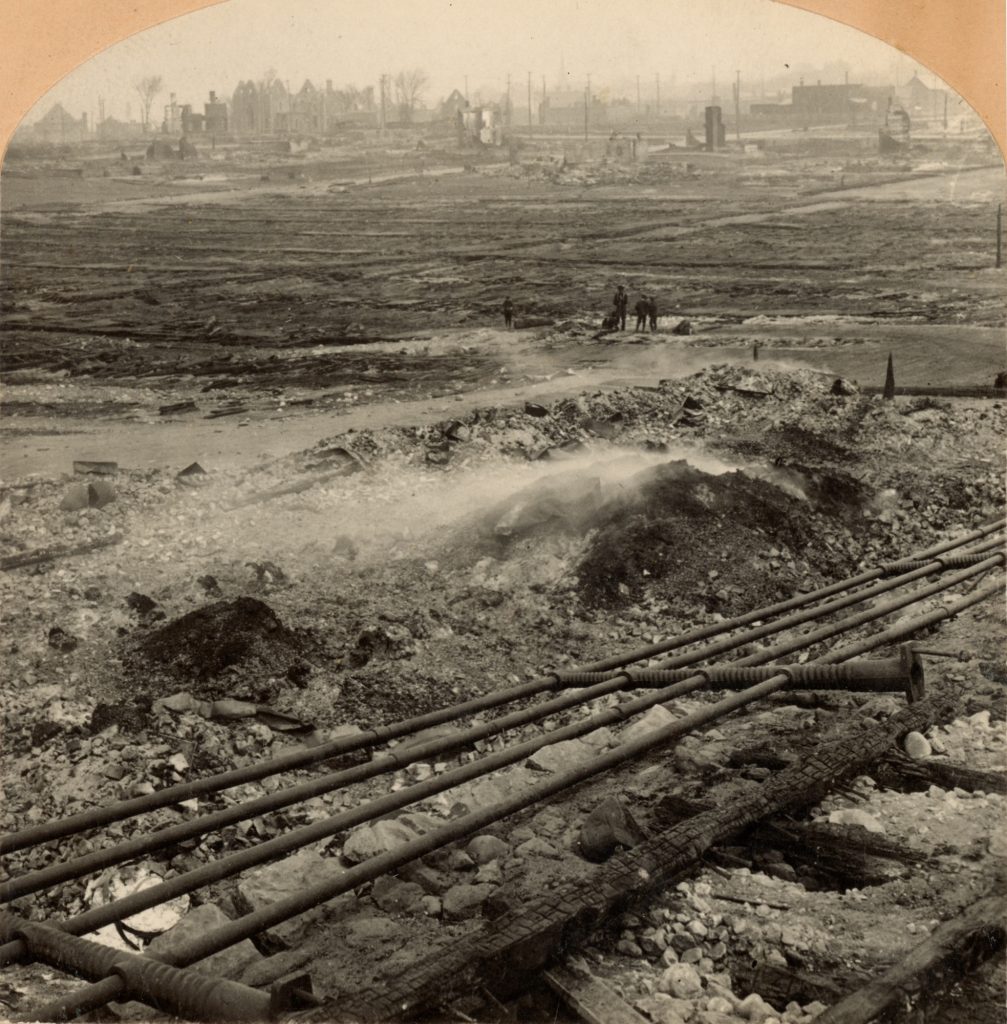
621	303
652	312
508	313
642	309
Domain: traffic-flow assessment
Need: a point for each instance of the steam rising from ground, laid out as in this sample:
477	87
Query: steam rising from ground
399	510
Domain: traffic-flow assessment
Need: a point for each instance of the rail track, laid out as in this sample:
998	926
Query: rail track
962	572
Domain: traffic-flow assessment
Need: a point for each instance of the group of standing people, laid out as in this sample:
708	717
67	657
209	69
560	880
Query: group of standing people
645	309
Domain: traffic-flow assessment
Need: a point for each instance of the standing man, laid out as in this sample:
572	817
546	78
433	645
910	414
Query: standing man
508	313
642	309
621	303
652	312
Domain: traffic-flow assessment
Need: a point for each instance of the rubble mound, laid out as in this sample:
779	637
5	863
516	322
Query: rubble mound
713	541
202	644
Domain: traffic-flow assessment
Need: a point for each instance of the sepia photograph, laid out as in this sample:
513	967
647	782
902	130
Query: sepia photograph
502	520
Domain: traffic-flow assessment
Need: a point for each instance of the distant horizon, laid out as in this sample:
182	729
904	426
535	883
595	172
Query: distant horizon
773	47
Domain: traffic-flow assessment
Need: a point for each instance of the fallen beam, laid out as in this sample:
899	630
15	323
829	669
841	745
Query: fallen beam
40	555
590	998
901	772
955	949
530	936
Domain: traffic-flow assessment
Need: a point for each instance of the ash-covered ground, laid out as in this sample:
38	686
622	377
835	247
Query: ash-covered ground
402	506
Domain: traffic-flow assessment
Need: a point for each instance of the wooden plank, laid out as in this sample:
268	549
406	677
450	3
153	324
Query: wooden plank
955	948
590	998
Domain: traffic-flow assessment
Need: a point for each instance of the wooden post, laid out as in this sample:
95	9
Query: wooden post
889	392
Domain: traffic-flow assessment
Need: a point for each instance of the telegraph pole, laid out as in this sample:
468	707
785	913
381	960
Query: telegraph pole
509	116
657	87
529	99
383	113
467	91
637	95
737	107
587	107
999	234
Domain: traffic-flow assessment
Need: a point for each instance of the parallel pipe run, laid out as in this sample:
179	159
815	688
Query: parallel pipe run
283	910
64	870
271	849
170	989
95	817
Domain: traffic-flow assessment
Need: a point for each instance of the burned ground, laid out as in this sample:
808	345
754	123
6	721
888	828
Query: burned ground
404	506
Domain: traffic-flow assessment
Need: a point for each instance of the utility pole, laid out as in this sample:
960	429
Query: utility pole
587	106
657	93
529	99
467	91
713	87
637	95
383	115
509	117
737	107
999	234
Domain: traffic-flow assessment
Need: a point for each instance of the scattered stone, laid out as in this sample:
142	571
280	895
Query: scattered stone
608	828
755	1008
397	897
560	757
656	718
372	840
917	746
62	641
483	849
259	887
663	1009
681	980
855	816
537	847
228	963
463	901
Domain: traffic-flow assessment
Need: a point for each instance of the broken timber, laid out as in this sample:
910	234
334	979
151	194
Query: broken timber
40	555
901	772
296	487
955	948
528	937
591	999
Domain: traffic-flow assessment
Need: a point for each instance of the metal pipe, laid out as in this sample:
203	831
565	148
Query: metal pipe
251	924
273	848
100	859
945	561
874	675
188	994
97	816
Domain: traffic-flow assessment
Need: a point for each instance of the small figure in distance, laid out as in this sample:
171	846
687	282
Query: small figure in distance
652	312
620	302
508	313
642	309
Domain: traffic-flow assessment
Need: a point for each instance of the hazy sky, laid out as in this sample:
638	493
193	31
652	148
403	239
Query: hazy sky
356	42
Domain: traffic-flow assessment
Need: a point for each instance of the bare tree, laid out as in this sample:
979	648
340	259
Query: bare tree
409	88
147	89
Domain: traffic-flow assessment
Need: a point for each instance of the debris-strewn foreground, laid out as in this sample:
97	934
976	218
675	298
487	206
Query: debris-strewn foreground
385	572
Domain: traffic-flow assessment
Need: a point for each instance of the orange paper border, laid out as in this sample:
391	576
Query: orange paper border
963	41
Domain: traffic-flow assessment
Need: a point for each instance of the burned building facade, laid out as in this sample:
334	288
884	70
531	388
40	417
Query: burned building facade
270	108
